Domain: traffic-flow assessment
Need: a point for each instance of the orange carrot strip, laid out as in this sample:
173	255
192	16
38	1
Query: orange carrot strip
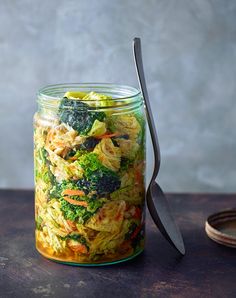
73	192
118	216
138	176
74	202
136	231
73	158
106	136
138	213
59	144
81	248
71	224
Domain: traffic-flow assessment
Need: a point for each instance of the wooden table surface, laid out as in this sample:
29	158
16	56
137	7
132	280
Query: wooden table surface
207	270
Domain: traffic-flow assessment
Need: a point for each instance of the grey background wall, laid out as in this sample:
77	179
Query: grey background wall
189	51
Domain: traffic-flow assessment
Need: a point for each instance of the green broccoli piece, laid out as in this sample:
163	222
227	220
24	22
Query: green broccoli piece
57	189
78	115
73	212
97	182
103	181
90	163
98	178
80	213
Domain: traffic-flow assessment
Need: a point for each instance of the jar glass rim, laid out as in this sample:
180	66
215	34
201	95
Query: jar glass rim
123	92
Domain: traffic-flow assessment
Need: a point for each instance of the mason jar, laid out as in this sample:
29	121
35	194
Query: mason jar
89	154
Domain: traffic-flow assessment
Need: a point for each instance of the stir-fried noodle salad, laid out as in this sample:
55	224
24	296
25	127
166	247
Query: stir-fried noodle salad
89	181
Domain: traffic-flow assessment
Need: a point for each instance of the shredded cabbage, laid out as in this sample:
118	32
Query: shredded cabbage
108	154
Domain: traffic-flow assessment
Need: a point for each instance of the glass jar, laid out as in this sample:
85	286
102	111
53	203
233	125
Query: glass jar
89	153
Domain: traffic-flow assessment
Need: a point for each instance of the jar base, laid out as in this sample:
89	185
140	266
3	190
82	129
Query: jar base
93	264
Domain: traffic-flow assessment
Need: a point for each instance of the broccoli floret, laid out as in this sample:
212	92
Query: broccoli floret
90	163
78	115
104	181
100	182
73	212
97	182
97	178
80	213
57	189
84	185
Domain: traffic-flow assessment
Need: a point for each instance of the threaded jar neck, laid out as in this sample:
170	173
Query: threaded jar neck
124	98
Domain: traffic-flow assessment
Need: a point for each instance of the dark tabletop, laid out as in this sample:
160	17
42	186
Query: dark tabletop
207	270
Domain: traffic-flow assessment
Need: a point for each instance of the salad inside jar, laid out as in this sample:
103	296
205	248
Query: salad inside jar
89	180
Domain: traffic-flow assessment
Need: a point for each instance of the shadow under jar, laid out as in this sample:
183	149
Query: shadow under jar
89	153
